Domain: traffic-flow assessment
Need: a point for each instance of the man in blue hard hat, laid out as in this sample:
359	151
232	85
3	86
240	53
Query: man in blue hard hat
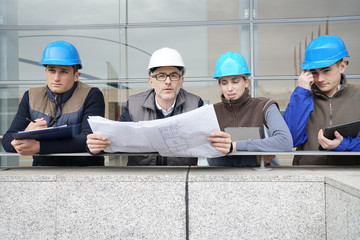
323	98
62	101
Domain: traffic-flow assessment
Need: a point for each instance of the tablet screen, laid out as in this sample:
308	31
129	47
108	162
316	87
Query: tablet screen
350	129
243	133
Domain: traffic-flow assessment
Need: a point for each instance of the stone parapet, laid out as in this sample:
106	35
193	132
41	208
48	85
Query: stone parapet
179	203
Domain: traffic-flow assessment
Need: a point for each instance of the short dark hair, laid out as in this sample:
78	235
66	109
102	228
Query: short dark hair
340	61
76	68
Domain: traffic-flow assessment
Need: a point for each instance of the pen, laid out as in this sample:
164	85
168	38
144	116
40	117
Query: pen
30	120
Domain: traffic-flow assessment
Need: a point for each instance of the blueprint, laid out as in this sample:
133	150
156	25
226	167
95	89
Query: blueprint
182	135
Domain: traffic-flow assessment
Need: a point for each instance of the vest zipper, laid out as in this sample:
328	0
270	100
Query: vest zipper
330	106
233	111
56	106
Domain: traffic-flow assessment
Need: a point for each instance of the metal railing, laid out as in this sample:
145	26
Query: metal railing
262	166
236	153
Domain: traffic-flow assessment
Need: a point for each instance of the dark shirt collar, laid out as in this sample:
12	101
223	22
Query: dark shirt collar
59	99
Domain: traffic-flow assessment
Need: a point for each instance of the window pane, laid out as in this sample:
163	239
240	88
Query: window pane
278	90
186	10
166	11
199	46
67	12
280	47
306	8
98	49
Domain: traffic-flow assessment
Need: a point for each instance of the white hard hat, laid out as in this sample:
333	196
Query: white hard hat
166	57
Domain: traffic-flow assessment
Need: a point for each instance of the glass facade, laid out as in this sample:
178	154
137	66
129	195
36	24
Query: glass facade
115	39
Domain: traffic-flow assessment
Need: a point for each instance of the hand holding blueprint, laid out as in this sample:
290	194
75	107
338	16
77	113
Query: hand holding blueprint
182	135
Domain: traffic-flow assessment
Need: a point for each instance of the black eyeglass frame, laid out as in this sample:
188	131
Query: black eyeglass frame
167	75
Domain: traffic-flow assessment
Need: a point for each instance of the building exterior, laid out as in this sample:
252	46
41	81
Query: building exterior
115	39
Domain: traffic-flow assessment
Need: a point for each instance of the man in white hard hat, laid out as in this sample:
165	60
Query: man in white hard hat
166	98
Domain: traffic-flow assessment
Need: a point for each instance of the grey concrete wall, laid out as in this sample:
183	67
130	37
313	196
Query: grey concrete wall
245	205
179	203
343	206
88	203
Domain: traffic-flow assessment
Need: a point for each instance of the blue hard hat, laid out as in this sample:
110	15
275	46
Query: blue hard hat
323	52
231	63
60	53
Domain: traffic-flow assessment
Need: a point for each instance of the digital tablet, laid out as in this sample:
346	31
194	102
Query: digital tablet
350	129
243	133
46	133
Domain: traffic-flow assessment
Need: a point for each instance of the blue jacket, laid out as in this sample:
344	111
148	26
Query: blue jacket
310	111
297	114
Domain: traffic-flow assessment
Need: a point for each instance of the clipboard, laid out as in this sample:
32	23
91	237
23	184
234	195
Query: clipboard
46	133
243	133
350	129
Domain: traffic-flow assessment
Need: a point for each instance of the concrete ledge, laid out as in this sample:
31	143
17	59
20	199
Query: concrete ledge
179	203
92	203
243	204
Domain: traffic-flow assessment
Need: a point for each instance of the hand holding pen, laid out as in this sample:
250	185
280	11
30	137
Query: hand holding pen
30	120
38	123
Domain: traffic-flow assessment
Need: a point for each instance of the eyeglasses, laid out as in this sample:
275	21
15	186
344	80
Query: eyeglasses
163	76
